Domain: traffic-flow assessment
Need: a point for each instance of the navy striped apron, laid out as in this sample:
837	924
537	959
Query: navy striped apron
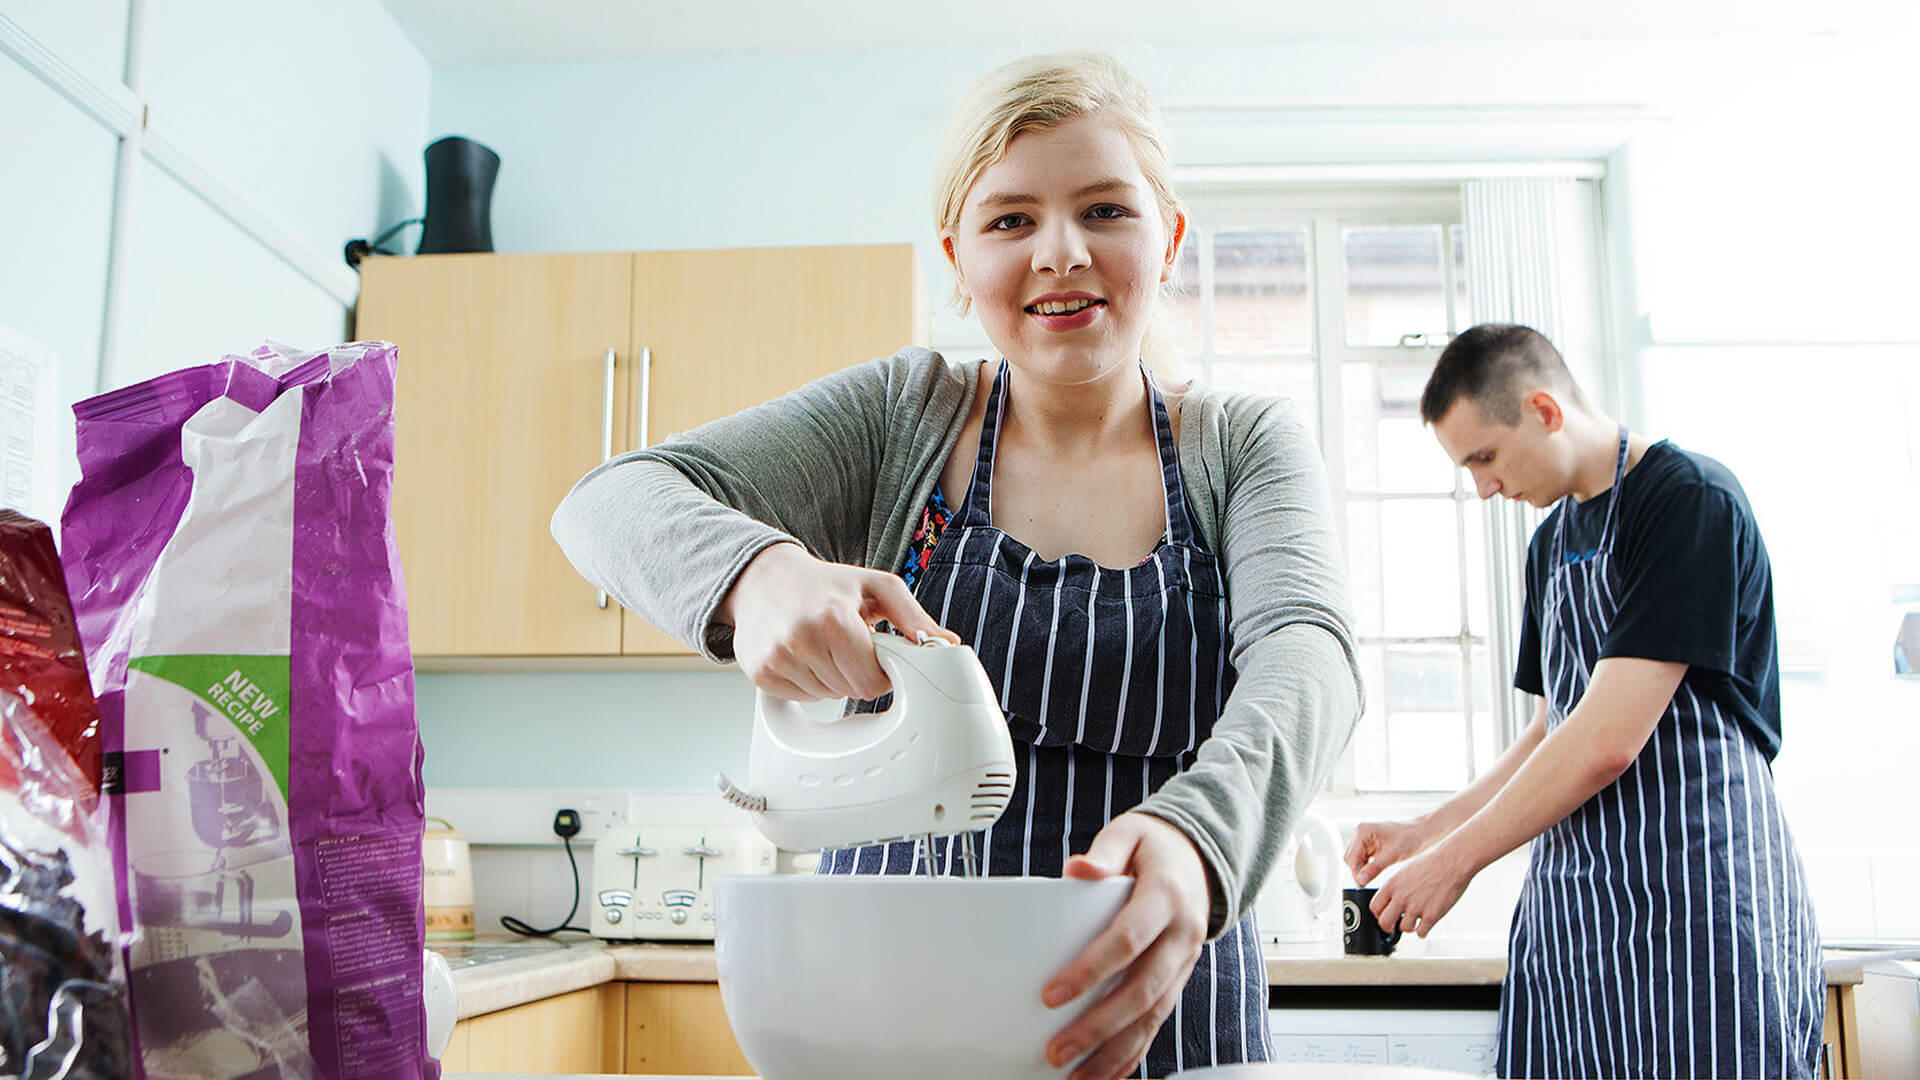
1110	679
1664	928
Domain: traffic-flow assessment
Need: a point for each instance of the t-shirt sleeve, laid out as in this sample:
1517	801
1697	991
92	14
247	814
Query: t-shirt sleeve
1678	572
1526	666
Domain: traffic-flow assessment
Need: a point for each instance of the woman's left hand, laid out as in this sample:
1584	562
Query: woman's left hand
1152	944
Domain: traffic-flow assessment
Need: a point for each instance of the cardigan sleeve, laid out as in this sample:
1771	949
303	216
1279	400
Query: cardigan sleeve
1299	690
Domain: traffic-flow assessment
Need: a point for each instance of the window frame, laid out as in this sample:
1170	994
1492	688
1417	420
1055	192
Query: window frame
1326	211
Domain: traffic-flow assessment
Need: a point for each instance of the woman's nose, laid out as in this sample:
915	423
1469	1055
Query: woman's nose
1061	250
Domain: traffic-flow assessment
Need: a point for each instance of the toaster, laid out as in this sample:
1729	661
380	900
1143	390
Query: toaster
655	882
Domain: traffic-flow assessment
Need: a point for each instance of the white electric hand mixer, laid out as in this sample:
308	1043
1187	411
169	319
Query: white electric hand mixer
938	762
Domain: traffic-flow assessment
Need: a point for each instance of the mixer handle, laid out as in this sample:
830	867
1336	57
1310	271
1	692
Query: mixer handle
908	673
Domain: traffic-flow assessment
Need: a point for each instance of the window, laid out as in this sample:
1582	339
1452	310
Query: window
1341	300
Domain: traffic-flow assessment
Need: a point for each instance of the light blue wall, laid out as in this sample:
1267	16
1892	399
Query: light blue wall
53	248
1750	185
311	114
651	730
90	35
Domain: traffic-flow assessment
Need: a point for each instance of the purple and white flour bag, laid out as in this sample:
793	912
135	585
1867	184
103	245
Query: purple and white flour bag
231	557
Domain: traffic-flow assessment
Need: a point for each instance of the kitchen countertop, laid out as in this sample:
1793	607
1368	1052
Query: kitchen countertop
496	972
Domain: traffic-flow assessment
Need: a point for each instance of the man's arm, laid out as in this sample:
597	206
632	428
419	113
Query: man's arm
1597	743
1378	845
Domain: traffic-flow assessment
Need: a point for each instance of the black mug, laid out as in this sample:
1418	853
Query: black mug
1359	930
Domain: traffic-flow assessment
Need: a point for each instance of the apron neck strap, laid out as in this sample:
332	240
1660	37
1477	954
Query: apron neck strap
978	510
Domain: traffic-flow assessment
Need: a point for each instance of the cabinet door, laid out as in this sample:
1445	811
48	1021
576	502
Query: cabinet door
680	1029
727	330
578	1032
503	403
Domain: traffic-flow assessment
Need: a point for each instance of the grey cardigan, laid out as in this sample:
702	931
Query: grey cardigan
844	466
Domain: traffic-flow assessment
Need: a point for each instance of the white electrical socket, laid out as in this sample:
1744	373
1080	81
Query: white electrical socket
524	816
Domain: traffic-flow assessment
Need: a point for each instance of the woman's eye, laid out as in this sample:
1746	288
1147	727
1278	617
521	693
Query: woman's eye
1008	221
1109	211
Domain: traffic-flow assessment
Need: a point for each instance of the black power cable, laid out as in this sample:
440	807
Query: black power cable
566	824
360	249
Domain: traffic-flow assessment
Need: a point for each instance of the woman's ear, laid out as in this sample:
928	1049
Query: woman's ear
959	278
1176	236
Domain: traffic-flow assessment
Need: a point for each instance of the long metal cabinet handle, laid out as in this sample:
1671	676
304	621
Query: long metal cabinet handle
646	387
606	440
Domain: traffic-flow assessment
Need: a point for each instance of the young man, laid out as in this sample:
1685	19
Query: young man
1664	928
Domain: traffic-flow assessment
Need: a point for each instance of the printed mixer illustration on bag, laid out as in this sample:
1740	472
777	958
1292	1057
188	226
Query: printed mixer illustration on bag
234	572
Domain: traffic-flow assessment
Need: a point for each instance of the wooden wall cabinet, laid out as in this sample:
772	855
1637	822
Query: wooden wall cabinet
519	373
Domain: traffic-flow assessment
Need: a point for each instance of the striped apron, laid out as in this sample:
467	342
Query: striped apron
1664	928
1109	679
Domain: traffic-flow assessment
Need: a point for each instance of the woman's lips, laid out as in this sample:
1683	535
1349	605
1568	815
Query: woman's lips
1072	321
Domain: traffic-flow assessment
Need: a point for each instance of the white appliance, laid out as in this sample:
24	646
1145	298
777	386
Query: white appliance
1889	1004
937	762
655	882
1461	1040
1303	886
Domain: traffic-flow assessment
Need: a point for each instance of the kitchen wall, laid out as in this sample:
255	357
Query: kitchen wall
272	133
1757	194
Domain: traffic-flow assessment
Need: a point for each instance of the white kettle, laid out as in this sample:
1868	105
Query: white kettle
1303	885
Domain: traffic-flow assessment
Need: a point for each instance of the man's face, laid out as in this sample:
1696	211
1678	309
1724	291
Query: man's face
1519	461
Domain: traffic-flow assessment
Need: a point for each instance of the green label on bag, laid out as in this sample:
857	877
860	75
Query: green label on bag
249	692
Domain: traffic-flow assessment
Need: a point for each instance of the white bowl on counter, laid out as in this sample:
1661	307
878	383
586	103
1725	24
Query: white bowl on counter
883	978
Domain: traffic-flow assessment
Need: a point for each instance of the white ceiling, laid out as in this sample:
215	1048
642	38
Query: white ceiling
455	32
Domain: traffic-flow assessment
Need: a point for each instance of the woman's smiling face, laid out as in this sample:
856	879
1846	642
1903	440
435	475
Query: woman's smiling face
1061	247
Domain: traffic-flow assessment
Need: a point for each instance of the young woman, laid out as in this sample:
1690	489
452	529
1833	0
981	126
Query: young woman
1150	576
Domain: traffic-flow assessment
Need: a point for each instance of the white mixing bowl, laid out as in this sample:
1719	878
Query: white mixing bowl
884	978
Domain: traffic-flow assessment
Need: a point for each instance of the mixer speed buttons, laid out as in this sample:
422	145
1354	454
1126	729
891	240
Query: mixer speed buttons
613	915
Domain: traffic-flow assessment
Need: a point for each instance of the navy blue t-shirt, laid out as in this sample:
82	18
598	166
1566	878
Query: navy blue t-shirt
1695	584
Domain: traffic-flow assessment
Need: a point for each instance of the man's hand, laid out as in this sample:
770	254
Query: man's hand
1422	893
1379	844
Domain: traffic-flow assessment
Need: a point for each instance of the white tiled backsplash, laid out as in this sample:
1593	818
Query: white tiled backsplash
520	867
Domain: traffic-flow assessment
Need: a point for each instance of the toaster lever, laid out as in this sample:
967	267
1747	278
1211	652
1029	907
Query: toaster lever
703	851
635	852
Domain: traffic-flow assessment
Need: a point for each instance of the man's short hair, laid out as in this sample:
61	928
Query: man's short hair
1491	365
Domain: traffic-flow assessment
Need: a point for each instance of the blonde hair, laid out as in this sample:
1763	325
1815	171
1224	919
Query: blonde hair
1042	93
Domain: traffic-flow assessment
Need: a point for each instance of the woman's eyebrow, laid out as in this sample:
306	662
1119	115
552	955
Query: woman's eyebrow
1016	198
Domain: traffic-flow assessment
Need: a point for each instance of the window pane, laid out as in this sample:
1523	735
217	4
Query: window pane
1396	284
1413	735
1297	379
1184	315
1260	298
1486	741
1426	751
1388	448
1462	299
1424	678
1370	735
1475	515
1405	562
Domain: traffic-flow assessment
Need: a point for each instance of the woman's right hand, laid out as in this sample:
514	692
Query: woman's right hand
802	626
1379	844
